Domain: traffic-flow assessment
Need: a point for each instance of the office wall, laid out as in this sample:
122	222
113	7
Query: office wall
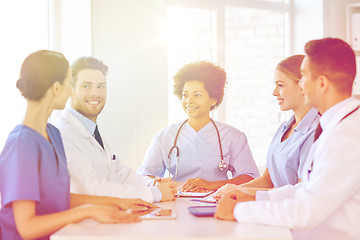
125	36
335	18
307	23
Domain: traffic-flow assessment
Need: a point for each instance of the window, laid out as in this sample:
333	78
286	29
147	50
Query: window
190	38
24	27
255	43
28	26
248	39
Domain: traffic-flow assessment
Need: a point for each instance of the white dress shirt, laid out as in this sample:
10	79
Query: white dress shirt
92	169
326	204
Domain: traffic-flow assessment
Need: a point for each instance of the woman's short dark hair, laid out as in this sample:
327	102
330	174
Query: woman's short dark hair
86	62
213	77
291	66
39	71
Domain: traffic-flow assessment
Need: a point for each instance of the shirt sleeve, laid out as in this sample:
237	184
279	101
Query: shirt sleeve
306	209
262	195
86	180
242	161
19	174
153	161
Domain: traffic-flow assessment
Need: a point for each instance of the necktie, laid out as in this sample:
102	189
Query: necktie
318	132
98	137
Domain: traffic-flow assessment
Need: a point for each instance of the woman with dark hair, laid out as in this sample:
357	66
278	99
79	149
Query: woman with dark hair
199	150
292	141
34	179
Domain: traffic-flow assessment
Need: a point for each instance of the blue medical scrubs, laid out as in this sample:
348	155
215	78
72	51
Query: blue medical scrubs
32	168
285	159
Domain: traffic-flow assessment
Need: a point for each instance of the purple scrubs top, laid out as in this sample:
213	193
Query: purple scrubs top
32	168
285	159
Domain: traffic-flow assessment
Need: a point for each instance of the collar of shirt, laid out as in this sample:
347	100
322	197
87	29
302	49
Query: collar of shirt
334	114
88	124
305	123
288	123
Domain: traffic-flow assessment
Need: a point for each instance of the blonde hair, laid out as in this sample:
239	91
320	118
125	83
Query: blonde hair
291	66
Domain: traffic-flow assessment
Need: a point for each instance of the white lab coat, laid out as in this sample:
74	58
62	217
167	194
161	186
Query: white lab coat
199	153
92	170
326	204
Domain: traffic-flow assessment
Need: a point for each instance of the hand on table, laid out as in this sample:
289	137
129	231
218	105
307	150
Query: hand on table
134	204
225	189
198	185
107	214
168	190
226	205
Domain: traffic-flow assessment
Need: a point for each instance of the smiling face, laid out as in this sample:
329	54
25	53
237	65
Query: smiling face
89	93
287	91
309	85
196	101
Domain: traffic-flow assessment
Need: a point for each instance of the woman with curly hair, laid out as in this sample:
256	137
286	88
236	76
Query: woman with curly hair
199	150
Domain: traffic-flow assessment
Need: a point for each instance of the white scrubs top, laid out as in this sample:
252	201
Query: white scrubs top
199	153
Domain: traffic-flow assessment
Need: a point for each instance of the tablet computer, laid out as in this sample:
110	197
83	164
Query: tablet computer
202	211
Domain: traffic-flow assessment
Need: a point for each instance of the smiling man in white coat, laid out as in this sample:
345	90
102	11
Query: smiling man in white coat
326	204
94	170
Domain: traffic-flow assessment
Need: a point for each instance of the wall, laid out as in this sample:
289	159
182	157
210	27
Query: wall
124	36
334	17
307	23
335	26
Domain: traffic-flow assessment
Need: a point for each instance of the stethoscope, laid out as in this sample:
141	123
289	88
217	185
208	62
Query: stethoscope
222	164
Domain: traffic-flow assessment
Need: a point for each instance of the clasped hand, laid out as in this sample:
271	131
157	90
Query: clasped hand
167	188
198	185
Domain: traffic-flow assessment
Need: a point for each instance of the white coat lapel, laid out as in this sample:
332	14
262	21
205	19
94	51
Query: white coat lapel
72	120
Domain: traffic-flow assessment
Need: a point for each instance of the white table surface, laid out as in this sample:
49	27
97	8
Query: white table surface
185	226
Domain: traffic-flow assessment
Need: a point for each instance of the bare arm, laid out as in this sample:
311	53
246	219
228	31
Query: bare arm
264	181
32	226
120	203
201	185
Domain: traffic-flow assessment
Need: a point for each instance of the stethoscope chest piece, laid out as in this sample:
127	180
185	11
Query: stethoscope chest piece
222	165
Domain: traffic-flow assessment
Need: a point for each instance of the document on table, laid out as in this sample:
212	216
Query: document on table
193	194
